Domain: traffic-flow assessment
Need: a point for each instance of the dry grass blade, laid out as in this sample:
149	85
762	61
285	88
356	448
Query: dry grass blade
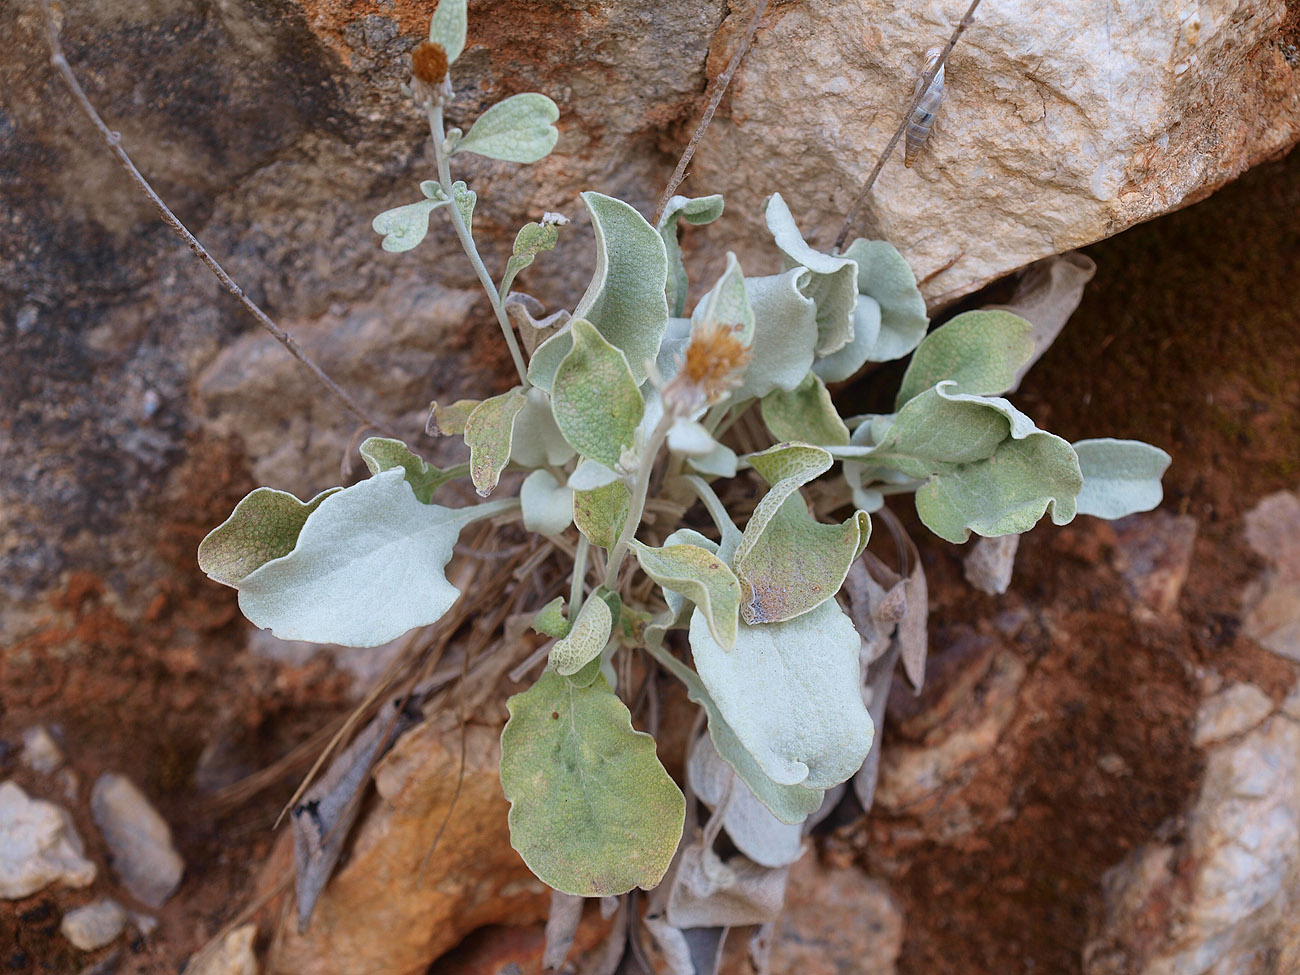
114	141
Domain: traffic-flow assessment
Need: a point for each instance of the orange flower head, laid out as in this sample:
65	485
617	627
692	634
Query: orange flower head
714	365
429	63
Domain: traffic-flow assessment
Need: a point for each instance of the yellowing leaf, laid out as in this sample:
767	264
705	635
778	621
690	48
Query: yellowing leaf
601	513
264	526
488	434
702	577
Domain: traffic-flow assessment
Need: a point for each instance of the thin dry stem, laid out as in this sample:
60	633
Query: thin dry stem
719	89
921	88
114	141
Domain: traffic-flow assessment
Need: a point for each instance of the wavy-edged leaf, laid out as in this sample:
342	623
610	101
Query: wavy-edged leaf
601	513
518	129
789	803
625	300
702	577
384	453
551	619
488	434
584	642
791	693
406	226
532	239
785	333
448	27
833	283
786	467
547	504
981	351
465	199
537	440
842	364
726	306
265	525
698	211
592	812
710	893
804	413
885	276
595	399
1120	477
368	566
449	421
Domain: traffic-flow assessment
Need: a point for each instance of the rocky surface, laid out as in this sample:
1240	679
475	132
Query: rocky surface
234	955
139	840
39	846
1273	601
95	925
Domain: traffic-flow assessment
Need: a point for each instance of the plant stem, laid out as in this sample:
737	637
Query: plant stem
439	134
579	572
639	491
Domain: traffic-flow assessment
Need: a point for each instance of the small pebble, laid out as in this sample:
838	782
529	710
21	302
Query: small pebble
95	925
41	753
39	845
138	838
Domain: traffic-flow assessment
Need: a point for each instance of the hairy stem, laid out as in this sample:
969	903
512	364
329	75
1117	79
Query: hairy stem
579	571
439	134
639	491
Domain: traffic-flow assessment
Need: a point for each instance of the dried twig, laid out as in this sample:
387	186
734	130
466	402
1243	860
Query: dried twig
114	141
921	88
719	89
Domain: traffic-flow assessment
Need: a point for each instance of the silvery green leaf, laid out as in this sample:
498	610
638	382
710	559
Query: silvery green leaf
1120	477
785	333
488	434
591	474
702	577
551	621
789	803
698	211
383	454
537	440
592	812
585	640
601	513
465	199
690	439
710	893
718	462
265	525
884	276
727	304
368	566
790	692
595	400
845	362
804	413
833	283
756	832
518	129
448	27
625	300
981	351
432	190
532	239
547	504
404	227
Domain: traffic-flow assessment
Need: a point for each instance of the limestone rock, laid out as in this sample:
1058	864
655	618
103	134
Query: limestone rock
95	925
394	907
233	956
1062	122
1224	897
1232	711
41	753
139	840
1273	603
39	846
1153	551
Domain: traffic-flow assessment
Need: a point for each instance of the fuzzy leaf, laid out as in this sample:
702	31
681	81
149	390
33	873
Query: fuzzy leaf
789	803
532	239
591	474
833	283
710	893
585	640
727	304
465	199
625	300
601	513
805	413
698	211
595	399
703	578
405	226
592	812
368	566
842	364
537	440
785	333
517	129
756	832
547	504
450	420
448	27
551	621
981	351
791	693
383	454
885	277
265	525
488	433
1120	477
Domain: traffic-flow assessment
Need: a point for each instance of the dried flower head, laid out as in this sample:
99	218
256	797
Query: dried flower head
713	365
429	63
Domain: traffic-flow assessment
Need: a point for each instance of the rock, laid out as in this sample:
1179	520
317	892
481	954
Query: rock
394	907
1224	897
139	840
1272	604
836	921
39	846
233	956
989	563
1153	551
95	925
1234	710
1062	123
41	753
